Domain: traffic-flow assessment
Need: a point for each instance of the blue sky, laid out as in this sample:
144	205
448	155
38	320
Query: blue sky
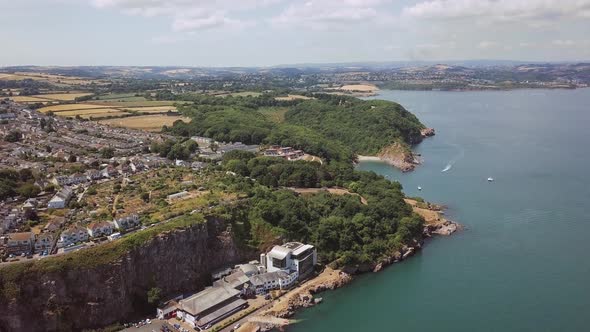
271	32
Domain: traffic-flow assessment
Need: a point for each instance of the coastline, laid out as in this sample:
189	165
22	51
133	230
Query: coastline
302	296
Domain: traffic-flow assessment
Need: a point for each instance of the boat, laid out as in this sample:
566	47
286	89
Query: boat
419	188
490	179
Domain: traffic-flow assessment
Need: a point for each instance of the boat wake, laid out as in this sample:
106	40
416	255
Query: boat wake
454	160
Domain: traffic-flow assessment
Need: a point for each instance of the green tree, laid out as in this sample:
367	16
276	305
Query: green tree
154	295
13	136
107	153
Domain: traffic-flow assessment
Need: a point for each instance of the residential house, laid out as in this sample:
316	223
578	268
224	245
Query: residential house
127	222
54	225
43	242
61	199
94	175
73	234
20	243
100	228
30	204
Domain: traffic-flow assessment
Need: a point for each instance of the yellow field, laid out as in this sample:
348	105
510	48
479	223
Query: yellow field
91	111
68	107
129	104
153	109
63	96
145	122
55	79
27	99
292	97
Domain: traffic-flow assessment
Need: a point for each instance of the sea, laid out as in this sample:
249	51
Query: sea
522	263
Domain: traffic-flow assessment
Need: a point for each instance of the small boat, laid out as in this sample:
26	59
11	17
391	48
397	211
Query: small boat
490	179
419	188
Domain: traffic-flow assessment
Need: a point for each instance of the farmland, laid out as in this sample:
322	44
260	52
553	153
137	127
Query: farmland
93	113
29	99
127	104
152	109
63	96
145	122
68	107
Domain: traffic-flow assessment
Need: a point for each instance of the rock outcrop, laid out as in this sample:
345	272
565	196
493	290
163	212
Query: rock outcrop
399	156
177	261
427	132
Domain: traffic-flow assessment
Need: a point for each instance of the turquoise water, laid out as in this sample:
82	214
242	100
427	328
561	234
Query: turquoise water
522	263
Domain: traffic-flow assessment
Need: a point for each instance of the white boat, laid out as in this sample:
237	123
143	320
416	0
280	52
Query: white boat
419	188
490	179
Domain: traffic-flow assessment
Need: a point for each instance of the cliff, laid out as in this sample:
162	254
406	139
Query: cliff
176	261
400	156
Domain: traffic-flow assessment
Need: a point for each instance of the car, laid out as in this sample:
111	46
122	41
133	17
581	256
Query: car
148	321
237	326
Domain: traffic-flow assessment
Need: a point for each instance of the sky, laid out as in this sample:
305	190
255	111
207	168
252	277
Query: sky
273	32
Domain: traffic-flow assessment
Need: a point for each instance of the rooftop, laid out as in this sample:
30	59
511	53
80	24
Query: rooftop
207	299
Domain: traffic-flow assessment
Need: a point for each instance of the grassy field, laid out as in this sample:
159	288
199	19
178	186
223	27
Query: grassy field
145	122
68	107
28	99
54	79
293	97
276	114
63	96
128	104
93	112
239	94
152	109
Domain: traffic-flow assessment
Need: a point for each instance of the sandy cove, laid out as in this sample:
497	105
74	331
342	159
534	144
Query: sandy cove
398	155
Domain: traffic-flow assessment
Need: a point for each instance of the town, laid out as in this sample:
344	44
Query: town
69	175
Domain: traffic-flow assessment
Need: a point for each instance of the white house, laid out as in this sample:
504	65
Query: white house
291	257
100	228
74	234
127	222
43	242
60	199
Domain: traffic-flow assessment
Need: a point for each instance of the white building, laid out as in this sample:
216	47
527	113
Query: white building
43	242
72	235
179	195
210	306
60	199
127	222
100	228
266	282
292	257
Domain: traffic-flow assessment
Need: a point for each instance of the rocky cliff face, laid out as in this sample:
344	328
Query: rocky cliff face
399	156
177	262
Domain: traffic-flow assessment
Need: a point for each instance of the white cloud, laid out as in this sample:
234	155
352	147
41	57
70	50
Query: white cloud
188	15
504	10
561	42
486	44
321	13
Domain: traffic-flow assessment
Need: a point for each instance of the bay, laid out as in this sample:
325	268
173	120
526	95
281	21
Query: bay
522	263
